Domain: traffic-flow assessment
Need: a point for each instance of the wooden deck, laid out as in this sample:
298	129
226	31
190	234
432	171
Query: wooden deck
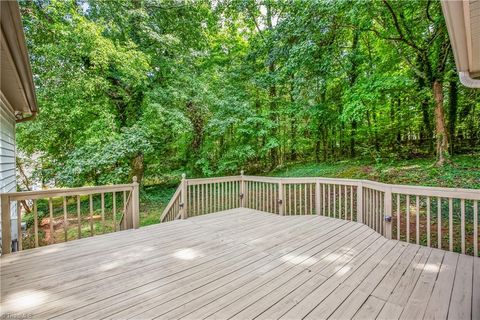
241	264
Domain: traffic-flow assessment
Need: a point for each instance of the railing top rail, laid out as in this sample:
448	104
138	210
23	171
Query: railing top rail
473	194
171	202
38	194
213	180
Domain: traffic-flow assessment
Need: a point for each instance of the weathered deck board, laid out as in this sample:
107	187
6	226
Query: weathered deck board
241	264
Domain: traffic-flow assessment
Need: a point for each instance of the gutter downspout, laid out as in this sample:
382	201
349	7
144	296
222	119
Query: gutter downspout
468	81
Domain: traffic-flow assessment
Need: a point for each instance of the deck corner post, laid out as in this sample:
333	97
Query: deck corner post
360	202
317	197
183	197
242	190
135	204
6	224
280	198
387	215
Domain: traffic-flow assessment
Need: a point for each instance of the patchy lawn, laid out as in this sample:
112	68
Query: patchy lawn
463	173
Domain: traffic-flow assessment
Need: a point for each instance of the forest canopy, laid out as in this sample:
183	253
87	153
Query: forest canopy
151	87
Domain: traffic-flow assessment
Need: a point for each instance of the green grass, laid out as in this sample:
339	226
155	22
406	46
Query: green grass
463	173
152	202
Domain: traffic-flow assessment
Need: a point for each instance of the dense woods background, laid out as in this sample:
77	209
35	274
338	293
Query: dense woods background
151	88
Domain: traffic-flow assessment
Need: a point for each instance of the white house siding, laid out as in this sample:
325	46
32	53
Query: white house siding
7	155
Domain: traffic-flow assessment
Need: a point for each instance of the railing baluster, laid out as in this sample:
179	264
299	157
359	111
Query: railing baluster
260	197
201	199
19	226
295	199
374	211
462	223
475	228
428	222
114	210
334	200
439	222
304	199
407	212
417	220
272	198
317	198
267	197
311	195
91	214
450	224
50	209
212	209
102	200
341	212
324	200
329	200
125	210
197	201
398	216
35	222
209	198
65	219
351	203
225	202
230	199
265	200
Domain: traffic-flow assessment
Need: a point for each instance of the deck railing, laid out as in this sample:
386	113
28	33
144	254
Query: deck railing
80	212
446	218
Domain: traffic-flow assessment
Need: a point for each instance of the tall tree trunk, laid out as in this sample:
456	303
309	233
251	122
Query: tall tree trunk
352	138
195	115
272	91
137	167
452	113
293	125
440	127
352	79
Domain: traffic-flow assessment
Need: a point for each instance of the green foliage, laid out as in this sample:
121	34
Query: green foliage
155	88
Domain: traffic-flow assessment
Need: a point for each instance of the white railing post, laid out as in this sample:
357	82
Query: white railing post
6	224
280	198
360	202
135	204
317	197
242	190
183	197
387	215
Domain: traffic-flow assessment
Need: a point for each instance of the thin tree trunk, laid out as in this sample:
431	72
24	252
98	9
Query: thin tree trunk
440	127
137	167
452	112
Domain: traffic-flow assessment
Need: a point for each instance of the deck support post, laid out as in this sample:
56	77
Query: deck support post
317	197
135	201
183	197
360	202
6	224
242	190
280	198
387	215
